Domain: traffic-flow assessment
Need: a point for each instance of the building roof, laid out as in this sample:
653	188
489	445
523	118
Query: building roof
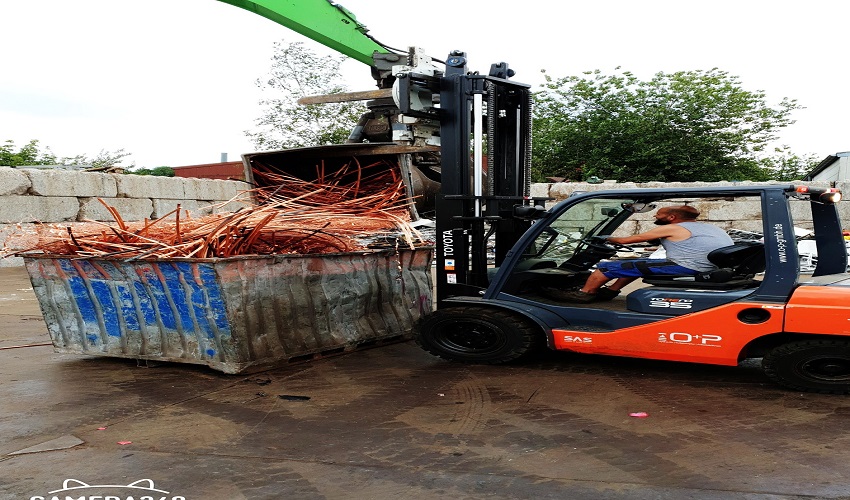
824	164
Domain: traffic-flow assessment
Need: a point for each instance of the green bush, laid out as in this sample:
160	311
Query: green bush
158	171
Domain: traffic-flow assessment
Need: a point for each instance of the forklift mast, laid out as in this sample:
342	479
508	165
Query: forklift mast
481	117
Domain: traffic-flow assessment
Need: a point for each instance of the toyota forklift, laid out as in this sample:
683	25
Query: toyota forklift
498	251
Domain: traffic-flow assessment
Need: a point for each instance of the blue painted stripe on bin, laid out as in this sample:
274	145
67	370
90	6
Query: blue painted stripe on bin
178	295
83	301
196	300
145	304
128	307
216	302
199	302
160	298
118	277
103	296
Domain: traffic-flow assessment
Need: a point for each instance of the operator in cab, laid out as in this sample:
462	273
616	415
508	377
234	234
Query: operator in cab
686	242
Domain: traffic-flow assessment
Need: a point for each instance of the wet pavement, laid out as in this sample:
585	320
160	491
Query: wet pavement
394	422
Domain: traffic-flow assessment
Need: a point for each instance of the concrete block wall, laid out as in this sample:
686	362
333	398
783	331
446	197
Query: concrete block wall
30	196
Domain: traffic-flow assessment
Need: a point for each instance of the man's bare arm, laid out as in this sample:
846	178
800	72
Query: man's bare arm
672	231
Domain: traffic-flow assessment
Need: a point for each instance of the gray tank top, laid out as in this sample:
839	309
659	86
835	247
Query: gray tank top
693	252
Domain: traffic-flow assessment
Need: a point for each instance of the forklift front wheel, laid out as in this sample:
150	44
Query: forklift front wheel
821	365
478	335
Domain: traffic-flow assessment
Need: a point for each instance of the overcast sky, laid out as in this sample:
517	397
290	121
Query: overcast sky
173	81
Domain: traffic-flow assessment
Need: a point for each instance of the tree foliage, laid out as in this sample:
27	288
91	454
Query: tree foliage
683	126
28	154
32	154
297	72
156	171
104	159
783	165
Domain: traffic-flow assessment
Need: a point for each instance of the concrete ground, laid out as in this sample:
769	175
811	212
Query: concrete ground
395	423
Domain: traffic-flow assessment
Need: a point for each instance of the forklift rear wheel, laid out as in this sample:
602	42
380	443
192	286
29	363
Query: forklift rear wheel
478	335
811	365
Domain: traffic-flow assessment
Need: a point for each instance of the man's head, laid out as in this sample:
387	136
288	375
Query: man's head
673	215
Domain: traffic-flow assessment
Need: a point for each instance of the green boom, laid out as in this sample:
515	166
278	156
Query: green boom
320	20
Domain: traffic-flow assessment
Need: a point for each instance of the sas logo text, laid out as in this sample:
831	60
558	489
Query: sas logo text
577	340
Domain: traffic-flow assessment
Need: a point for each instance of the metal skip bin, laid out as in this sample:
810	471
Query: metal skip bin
235	313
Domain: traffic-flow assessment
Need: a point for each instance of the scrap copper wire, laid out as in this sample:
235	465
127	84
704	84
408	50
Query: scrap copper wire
325	215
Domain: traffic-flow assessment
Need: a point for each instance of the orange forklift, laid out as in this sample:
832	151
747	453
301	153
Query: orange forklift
756	304
498	251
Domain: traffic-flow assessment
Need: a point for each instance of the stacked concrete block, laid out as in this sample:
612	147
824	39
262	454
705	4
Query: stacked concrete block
541	190
844	206
749	209
232	206
844	213
211	189
148	186
188	208
15	209
563	190
13	181
751	225
64	183
225	190
628	228
129	209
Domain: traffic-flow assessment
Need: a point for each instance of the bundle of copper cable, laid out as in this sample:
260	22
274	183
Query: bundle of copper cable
325	215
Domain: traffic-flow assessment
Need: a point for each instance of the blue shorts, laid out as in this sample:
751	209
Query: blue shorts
635	268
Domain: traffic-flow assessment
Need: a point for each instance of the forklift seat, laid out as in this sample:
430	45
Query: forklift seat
737	265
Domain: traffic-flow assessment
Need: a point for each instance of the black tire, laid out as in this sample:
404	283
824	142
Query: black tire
478	335
821	365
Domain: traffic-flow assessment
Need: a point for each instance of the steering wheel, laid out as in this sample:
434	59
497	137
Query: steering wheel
599	243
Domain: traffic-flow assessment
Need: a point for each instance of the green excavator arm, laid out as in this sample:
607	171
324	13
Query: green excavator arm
321	20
